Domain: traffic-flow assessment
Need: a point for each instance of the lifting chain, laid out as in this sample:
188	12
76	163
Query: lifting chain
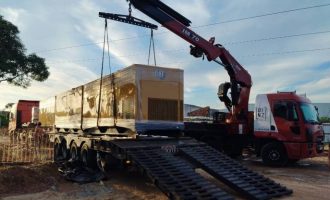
129	9
153	47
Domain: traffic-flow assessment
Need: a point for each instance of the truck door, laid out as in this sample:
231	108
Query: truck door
287	120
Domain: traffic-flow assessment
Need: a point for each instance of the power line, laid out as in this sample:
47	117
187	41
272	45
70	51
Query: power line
225	43
88	44
276	37
200	26
288	52
120	56
263	15
240	42
250	55
232	43
68	47
72	61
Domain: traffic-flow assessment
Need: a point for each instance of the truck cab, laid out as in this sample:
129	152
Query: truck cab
286	128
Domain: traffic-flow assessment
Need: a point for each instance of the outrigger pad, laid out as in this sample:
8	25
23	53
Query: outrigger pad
127	19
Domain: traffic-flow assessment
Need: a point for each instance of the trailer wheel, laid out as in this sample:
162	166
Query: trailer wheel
88	156
74	152
274	154
60	151
57	150
64	150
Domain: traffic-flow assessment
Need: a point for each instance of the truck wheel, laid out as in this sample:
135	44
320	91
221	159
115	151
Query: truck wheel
274	154
88	156
74	152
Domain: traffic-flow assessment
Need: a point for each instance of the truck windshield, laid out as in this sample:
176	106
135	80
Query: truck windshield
310	113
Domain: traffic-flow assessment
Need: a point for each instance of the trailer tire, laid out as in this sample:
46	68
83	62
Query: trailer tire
57	151
274	154
64	150
88	156
74	155
60	151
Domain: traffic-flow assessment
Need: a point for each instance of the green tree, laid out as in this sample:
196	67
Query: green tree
4	119
324	119
16	67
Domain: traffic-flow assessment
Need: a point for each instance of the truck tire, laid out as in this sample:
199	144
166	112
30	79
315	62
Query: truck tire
88	156
274	154
74	155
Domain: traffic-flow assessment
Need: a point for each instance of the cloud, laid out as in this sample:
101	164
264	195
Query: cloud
317	88
89	24
63	75
13	15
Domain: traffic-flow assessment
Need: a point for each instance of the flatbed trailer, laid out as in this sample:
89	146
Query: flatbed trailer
171	165
109	119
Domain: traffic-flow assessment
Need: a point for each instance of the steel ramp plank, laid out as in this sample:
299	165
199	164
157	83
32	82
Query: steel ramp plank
250	184
174	175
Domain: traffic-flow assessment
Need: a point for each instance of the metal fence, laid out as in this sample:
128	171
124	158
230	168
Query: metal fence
24	147
326	128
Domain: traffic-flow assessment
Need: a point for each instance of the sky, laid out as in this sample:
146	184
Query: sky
287	51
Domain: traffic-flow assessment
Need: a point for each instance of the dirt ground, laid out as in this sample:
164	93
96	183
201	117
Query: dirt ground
43	181
309	179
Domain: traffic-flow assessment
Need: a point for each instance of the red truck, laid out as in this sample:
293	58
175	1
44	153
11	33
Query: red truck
285	126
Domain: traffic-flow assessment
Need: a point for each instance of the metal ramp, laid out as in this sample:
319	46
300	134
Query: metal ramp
172	170
175	176
248	183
